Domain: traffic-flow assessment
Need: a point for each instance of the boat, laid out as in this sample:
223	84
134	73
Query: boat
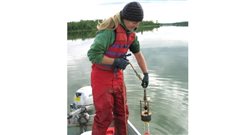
82	112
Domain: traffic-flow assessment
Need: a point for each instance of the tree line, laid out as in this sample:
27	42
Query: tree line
184	23
87	28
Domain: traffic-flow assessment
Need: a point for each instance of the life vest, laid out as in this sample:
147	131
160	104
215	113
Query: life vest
120	46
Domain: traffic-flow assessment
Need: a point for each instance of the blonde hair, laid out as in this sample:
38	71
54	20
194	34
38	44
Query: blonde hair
110	23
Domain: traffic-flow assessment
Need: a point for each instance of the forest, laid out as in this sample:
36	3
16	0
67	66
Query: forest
87	28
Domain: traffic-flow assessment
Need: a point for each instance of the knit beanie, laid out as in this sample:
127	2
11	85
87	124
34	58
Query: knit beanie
132	11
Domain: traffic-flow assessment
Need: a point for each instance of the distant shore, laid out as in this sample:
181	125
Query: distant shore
87	28
87	25
184	23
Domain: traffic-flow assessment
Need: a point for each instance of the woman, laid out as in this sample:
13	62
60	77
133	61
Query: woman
115	37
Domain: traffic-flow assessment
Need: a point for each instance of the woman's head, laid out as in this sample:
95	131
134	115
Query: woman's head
131	14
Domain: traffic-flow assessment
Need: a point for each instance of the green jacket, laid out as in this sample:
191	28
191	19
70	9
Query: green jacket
102	41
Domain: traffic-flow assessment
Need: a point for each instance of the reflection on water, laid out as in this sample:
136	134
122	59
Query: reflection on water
168	89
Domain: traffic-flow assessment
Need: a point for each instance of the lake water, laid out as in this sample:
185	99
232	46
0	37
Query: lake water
166	52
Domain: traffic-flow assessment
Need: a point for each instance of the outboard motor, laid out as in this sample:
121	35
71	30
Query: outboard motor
83	96
81	107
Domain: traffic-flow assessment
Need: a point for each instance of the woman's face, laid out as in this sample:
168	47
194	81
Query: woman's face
131	25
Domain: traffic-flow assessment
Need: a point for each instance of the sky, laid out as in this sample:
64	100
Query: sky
161	10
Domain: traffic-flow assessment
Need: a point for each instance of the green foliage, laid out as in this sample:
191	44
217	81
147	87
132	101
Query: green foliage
175	24
87	28
83	25
147	26
83	29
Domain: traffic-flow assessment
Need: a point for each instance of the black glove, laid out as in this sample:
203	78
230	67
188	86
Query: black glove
145	80
120	63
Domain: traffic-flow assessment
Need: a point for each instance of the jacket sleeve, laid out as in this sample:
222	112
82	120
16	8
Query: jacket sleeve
135	47
99	46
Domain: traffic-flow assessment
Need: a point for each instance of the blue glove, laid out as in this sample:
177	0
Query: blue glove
120	63
145	80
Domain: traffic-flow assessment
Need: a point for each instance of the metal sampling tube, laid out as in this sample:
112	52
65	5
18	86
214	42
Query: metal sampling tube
144	107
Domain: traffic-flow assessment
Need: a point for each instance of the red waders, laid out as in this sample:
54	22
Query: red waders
109	96
109	91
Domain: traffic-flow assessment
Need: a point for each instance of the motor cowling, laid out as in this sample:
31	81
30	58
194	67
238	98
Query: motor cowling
83	96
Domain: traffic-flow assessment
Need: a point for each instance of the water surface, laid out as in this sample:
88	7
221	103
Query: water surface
166	53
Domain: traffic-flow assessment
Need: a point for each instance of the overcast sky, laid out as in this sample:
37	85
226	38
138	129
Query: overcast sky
161	10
